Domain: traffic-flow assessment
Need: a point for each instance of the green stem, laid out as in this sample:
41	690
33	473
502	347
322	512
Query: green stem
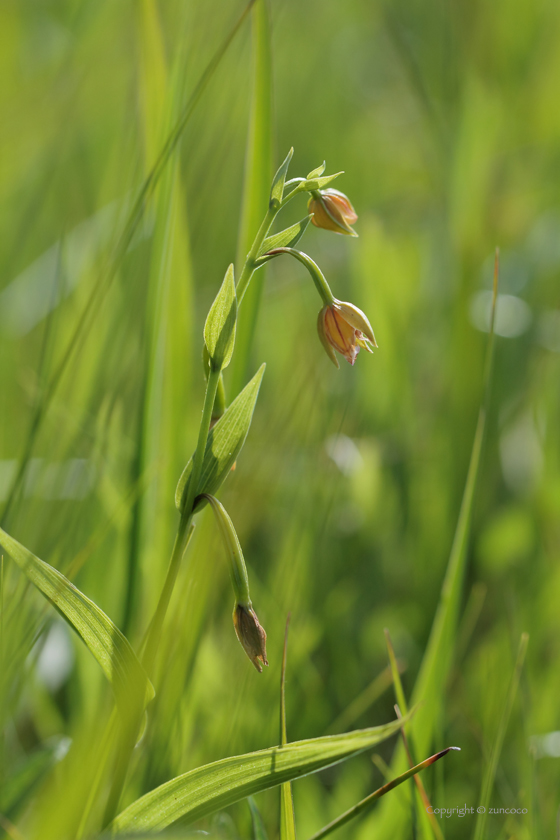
238	569
209	398
316	274
251	261
184	533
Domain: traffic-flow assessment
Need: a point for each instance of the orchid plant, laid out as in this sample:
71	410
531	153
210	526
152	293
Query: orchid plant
343	329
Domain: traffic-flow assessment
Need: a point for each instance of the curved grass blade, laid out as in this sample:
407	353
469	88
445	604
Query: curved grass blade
92	307
213	787
489	776
106	642
366	803
259	831
437	660
224	444
258	172
287	816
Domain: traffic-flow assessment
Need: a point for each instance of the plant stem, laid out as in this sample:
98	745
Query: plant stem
250	262
316	274
209	398
184	533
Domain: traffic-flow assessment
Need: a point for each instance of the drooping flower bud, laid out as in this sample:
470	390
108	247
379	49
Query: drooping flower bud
251	635
332	210
344	328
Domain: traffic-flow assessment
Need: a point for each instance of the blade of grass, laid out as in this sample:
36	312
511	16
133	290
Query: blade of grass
100	288
365	700
287	817
366	803
169	328
425	818
258	173
437	659
425	814
259	831
106	642
213	787
490	774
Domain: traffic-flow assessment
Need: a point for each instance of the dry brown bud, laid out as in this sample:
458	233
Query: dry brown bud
251	635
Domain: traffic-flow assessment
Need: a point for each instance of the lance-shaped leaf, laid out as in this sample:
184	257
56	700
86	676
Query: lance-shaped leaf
104	639
224	444
219	329
279	179
315	173
213	787
317	183
286	238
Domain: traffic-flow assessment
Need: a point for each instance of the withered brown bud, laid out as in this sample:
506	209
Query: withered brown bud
251	635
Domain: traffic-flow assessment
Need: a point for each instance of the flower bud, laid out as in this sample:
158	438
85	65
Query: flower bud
332	210
251	635
344	328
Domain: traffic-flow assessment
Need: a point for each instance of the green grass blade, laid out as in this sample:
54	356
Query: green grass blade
490	774
224	444
287	816
92	307
437	660
215	786
259	831
258	172
368	801
106	642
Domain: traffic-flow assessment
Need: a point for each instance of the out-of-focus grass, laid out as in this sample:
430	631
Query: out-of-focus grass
348	491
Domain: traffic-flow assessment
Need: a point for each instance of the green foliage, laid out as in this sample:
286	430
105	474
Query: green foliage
286	238
208	789
219	329
105	641
224	444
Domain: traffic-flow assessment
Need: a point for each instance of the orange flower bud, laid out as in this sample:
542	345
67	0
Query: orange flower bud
332	210
344	328
251	635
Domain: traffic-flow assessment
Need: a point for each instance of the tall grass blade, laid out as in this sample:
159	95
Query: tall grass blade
258	172
259	831
92	306
490	774
437	659
106	642
366	803
364	701
215	786
287	816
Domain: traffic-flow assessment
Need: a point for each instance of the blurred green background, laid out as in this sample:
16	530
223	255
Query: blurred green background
444	117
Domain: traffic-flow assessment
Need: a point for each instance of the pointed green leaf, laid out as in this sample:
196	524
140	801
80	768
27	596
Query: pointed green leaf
207	789
279	179
259	831
315	173
219	329
111	649
286	238
317	183
224	444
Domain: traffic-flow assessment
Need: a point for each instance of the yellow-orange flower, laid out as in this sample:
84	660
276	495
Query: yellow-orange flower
332	210
344	328
251	634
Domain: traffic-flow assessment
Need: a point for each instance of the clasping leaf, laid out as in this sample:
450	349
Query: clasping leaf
219	329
